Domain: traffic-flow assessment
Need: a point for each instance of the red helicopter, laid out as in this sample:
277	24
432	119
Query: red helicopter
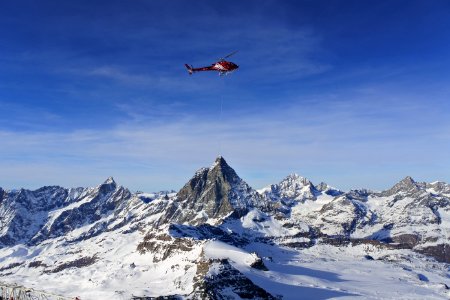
222	66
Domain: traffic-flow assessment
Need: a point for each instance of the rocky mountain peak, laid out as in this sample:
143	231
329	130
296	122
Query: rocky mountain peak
222	169
108	185
408	180
439	187
212	193
296	179
220	161
292	188
406	185
109	180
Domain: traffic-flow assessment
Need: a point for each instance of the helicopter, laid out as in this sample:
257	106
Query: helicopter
222	66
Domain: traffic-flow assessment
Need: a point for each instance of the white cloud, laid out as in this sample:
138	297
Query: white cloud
344	143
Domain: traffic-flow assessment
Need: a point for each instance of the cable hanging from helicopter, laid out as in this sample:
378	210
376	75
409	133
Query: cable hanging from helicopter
222	66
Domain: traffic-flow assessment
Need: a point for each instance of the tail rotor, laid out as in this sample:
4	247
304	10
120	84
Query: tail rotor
189	68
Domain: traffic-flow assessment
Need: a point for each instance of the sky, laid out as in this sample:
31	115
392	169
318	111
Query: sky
352	93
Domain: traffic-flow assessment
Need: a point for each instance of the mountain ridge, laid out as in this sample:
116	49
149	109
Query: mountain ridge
53	230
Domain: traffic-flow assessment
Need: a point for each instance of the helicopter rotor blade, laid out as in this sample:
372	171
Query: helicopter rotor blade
232	53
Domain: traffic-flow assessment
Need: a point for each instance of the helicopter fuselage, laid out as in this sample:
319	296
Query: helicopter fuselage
221	66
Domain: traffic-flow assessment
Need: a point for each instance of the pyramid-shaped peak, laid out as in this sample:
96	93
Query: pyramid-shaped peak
108	185
213	193
408	180
220	161
407	184
109	180
220	168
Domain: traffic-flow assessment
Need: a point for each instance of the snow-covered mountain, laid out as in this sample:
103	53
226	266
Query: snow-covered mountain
218	238
212	195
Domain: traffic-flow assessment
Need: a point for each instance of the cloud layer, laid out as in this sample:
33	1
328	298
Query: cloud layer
346	143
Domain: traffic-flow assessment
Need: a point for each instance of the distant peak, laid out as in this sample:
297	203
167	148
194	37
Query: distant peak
108	186
407	184
437	182
294	177
109	180
408	179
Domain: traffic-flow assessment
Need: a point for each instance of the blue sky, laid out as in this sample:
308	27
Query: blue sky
353	93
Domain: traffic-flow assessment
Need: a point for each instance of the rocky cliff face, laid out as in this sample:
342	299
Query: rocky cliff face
211	195
219	277
24	212
89	208
31	217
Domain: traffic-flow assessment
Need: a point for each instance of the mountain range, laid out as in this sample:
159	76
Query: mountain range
218	238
